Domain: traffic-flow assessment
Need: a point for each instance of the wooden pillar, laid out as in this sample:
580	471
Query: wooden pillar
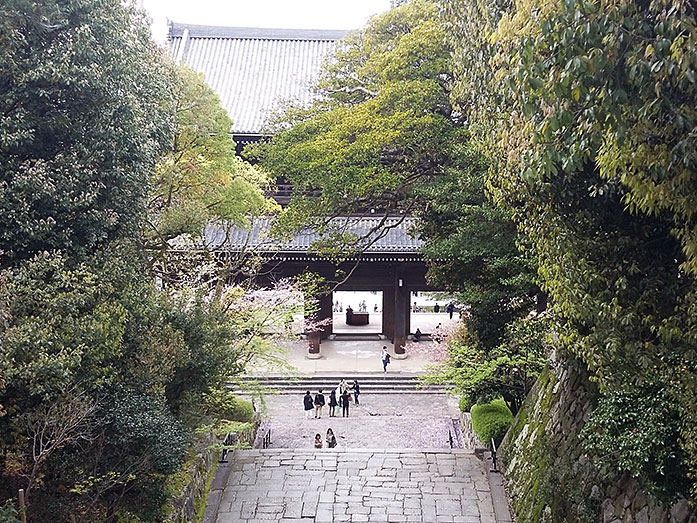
401	312
388	301
326	308
410	299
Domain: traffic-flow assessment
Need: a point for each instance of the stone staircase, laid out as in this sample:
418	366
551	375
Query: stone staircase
355	485
375	383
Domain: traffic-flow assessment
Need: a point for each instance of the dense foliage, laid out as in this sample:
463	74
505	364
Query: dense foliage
588	111
506	371
383	136
83	105
491	421
472	246
107	151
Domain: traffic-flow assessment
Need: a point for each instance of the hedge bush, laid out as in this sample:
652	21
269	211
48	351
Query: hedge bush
465	403
223	405
491	420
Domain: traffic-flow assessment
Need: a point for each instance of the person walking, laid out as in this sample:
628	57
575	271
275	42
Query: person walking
345	405
331	439
319	403
385	358
308	404
332	404
450	309
436	308
318	441
356	391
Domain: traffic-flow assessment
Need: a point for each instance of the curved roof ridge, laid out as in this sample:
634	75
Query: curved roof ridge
255	33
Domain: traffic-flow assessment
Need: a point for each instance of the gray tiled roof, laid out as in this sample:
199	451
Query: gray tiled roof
254	71
396	240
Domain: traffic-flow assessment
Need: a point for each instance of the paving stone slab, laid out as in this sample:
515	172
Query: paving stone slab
349	486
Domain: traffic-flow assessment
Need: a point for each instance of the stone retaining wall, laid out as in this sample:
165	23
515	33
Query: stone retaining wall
200	470
550	478
469	437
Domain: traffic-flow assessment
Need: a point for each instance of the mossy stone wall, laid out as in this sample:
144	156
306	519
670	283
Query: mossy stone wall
198	471
551	479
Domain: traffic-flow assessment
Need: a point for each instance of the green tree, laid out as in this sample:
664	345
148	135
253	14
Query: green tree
201	178
97	366
379	129
384	135
83	119
111	372
471	245
589	109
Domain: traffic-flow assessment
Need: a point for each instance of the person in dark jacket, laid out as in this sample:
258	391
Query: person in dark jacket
319	403
309	405
345	404
450	309
356	391
417	335
332	404
331	439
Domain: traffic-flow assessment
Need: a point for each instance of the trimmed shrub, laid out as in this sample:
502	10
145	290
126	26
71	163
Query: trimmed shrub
223	405
491	420
465	403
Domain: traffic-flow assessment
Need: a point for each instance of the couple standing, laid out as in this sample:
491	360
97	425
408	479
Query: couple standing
315	404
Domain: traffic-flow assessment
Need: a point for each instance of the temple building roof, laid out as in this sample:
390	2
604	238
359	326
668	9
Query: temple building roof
253	71
394	239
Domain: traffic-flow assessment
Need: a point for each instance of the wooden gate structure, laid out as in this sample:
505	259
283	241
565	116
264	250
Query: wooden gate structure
254	71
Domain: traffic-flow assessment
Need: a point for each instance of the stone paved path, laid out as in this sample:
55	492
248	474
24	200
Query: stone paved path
341	485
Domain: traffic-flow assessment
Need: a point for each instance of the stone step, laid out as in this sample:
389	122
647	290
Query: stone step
304	389
291	452
332	384
380	376
369	384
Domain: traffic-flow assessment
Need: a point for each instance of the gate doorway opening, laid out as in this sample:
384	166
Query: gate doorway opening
366	317
428	310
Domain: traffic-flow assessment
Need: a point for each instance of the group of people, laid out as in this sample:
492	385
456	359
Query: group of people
339	397
450	308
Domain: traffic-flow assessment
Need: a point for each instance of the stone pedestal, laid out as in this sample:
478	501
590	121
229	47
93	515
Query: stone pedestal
313	345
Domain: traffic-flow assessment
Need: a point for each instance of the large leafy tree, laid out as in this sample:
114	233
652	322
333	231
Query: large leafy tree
99	370
200	178
83	118
380	127
384	136
589	111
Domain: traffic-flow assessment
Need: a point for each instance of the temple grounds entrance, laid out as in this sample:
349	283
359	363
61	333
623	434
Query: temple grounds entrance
362	303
